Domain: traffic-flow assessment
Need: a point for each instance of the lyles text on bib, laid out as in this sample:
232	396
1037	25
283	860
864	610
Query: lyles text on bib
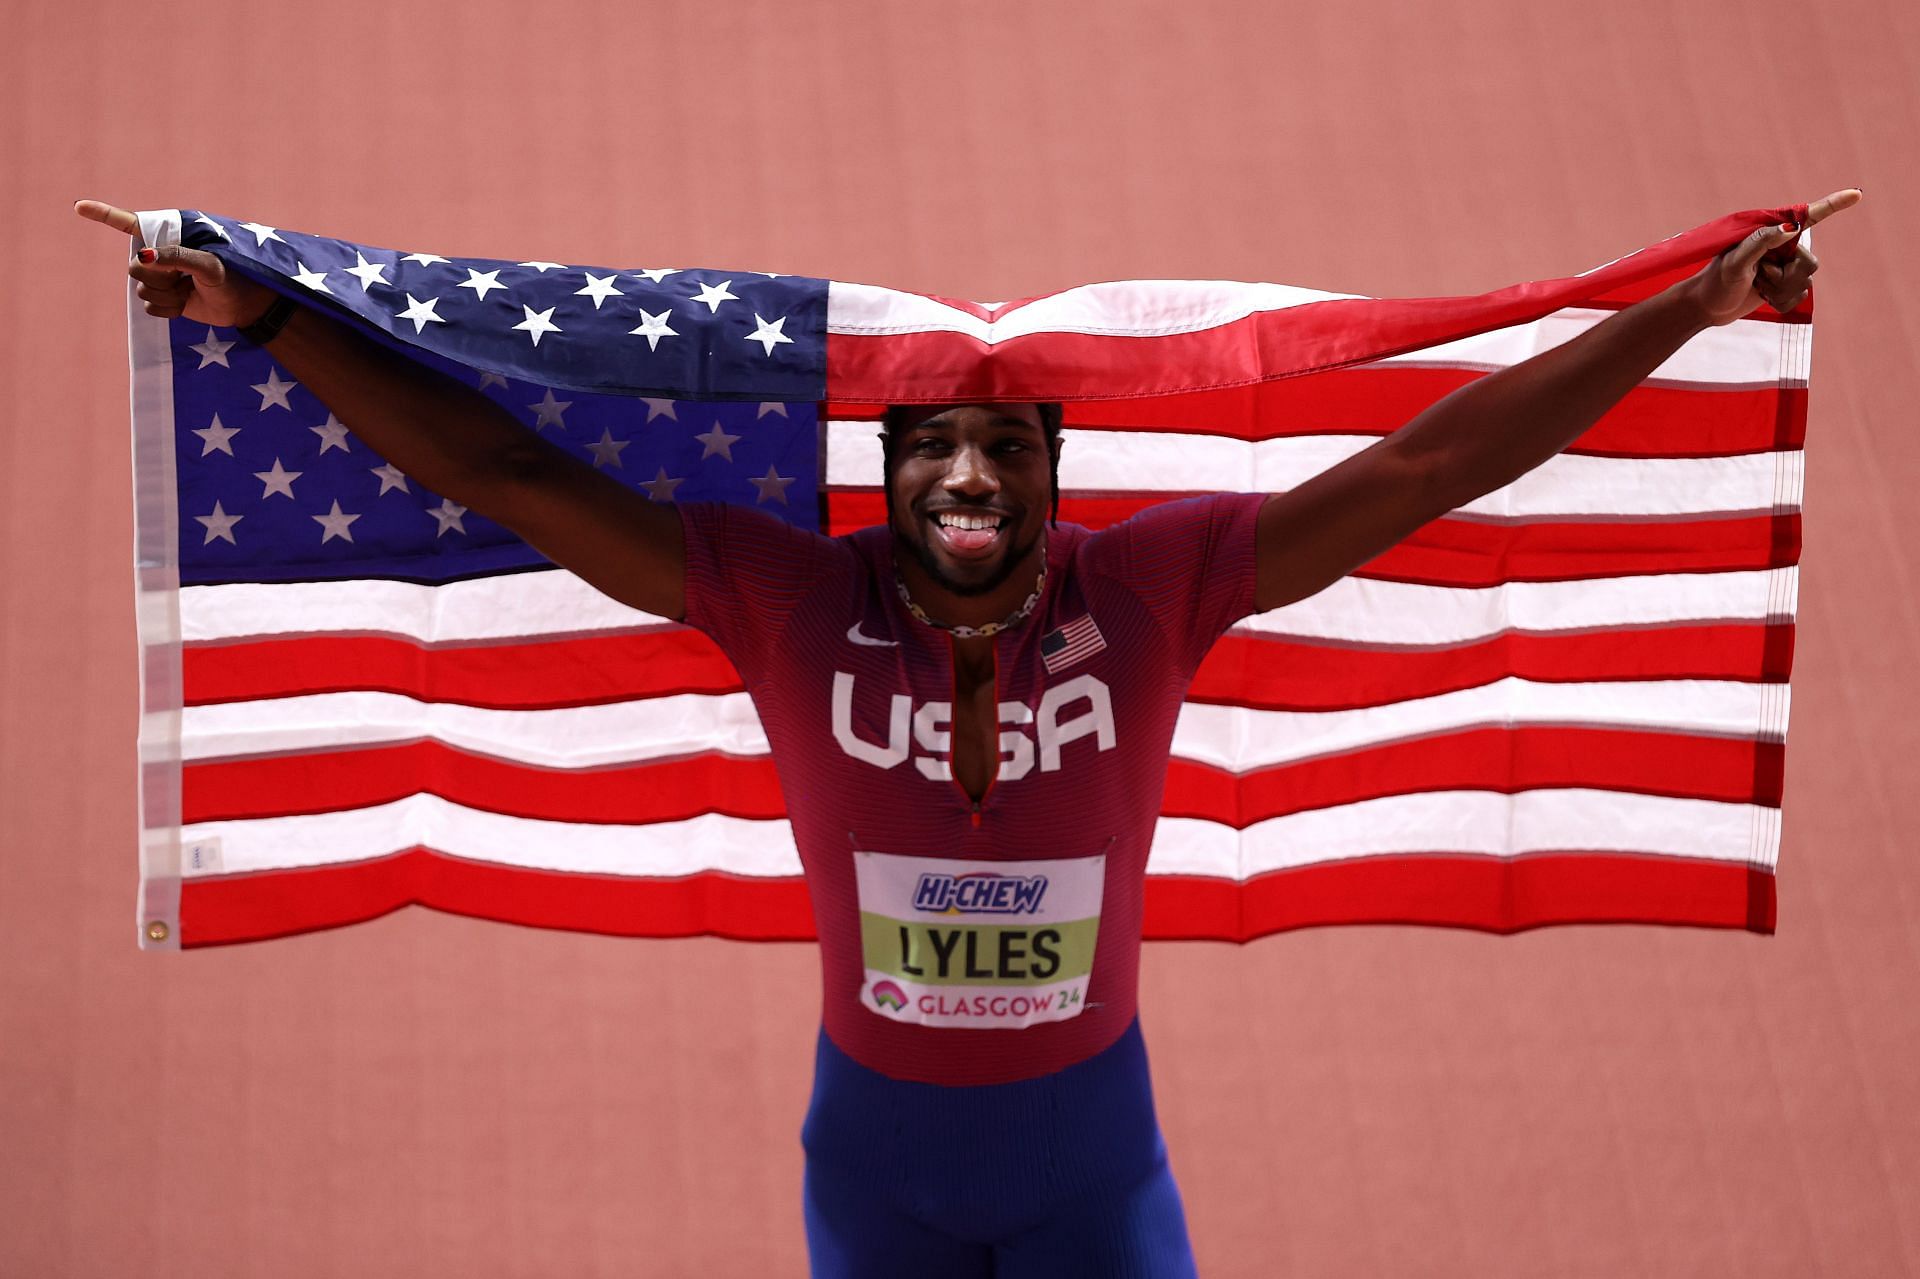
977	944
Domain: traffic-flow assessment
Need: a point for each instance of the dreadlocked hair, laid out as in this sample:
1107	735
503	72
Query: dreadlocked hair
894	419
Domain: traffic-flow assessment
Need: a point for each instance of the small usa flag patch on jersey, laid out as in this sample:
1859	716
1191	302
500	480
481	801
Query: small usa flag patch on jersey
1076	641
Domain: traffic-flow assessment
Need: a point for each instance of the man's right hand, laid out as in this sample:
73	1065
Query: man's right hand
175	280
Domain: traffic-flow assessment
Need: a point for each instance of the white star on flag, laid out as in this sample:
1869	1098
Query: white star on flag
537	323
390	478
777	407
716	441
216	437
448	513
421	313
660	408
273	392
656	274
481	281
335	523
660	488
278	480
489	378
212	351
219	524
771	485
653	328
543	267
261	233
333	435
368	273
548	410
769	333
217	230
316	281
713	295
606	451
599	288
424	259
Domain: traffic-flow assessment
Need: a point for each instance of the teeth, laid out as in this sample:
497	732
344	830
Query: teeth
954	520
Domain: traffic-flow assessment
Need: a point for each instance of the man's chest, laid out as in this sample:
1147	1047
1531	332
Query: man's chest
1058	705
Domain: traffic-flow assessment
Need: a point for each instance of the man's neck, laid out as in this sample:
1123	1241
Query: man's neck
943	605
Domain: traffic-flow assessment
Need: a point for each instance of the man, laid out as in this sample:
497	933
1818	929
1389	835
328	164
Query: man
971	709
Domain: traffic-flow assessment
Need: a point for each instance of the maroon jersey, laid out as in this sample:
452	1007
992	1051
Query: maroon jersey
966	943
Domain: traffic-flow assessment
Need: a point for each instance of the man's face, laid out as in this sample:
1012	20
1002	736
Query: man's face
971	487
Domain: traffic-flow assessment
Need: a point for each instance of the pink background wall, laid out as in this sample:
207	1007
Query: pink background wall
427	1095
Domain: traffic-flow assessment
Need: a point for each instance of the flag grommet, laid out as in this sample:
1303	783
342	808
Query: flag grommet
157	930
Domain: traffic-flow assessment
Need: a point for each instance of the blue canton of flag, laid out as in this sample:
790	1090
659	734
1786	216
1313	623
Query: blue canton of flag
684	385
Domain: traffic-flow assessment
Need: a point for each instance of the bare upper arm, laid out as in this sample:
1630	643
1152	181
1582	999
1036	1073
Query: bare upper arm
1311	536
620	542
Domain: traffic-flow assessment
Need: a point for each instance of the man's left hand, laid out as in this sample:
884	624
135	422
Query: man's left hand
1752	272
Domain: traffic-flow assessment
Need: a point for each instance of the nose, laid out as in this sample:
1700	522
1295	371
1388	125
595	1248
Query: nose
970	473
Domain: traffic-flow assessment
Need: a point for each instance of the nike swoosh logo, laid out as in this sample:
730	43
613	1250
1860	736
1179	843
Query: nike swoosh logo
853	633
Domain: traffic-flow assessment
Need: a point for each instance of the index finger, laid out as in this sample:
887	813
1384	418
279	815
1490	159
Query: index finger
1832	204
117	218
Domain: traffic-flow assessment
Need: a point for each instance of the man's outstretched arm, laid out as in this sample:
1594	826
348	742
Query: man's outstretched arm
445	435
1494	430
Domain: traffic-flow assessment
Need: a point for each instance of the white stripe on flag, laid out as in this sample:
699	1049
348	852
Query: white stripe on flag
1477	823
1133	308
1371	613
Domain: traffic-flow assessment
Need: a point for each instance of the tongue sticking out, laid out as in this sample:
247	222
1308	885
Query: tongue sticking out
967	539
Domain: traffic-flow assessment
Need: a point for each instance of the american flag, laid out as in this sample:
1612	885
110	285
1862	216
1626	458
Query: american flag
1077	640
1565	701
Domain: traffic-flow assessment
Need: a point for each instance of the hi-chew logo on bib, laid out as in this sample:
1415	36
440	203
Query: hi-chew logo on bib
949	943
981	891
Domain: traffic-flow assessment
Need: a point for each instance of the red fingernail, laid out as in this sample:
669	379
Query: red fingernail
147	255
1788	227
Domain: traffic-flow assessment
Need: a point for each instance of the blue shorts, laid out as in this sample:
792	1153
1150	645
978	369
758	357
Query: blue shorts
1061	1175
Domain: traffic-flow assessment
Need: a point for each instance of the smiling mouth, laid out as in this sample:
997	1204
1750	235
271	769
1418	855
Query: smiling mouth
969	534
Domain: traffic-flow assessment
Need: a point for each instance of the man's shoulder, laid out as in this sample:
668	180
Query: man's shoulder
745	528
1170	524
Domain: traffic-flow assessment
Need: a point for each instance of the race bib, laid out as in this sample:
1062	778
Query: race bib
952	943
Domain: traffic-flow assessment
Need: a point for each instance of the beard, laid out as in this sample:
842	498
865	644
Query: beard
923	552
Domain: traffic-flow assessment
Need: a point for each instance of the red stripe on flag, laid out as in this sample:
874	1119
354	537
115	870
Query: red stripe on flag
1651	422
1506	760
522	676
1475	553
1465	892
1490	759
1483	893
278	903
1242	668
1277	674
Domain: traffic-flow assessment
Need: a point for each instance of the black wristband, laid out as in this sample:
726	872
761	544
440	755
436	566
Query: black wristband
268	326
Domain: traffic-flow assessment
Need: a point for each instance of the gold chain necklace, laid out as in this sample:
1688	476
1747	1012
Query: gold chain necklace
1008	622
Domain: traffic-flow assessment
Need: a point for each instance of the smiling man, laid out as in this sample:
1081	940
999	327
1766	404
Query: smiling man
979	480
971	709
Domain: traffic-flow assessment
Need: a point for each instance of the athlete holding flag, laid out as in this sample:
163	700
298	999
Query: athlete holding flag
971	710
